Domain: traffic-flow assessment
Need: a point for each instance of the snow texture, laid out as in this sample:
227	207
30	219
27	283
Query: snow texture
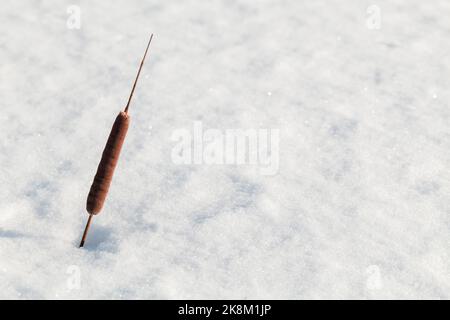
360	206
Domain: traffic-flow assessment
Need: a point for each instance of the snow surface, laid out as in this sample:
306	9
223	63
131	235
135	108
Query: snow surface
360	207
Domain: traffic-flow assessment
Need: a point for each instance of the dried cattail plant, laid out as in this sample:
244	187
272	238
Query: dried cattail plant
110	157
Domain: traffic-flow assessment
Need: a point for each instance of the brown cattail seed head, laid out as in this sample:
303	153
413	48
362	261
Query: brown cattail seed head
105	171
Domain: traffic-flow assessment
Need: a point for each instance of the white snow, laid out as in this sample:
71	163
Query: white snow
360	207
